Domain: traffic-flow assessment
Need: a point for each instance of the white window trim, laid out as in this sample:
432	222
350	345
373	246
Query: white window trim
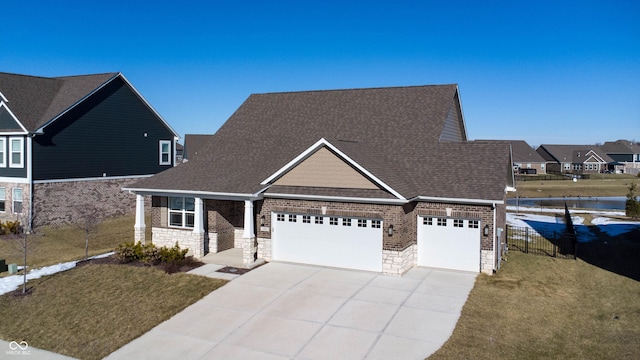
183	212
10	151
165	142
3	148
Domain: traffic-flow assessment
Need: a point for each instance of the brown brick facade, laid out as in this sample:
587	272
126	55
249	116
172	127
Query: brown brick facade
58	203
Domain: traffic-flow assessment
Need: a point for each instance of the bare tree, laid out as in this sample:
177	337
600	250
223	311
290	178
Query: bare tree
86	218
23	240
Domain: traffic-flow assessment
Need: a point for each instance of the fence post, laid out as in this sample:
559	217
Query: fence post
555	242
526	240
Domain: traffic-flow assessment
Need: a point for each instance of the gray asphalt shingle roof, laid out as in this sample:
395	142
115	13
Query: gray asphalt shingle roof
392	132
37	100
574	153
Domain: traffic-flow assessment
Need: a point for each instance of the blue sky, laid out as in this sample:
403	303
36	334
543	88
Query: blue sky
542	71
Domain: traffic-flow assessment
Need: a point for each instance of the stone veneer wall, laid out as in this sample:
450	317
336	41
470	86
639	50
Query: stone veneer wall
186	239
58	203
398	262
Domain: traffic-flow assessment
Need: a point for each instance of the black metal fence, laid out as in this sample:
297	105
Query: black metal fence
540	242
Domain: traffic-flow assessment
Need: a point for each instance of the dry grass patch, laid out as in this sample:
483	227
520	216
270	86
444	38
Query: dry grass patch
598	185
91	311
538	307
51	245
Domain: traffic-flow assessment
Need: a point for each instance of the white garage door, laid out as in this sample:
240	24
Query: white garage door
449	243
353	243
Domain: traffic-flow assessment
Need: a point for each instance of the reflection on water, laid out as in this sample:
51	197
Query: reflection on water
598	203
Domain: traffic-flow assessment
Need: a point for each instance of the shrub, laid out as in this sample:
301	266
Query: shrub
10	227
149	253
173	254
128	252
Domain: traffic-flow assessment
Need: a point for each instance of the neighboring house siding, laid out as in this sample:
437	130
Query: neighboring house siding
7	122
112	133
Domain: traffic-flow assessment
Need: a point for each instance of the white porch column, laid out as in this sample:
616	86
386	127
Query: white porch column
139	226
249	232
198	222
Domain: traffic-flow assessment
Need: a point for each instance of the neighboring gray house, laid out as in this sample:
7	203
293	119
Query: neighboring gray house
379	179
575	159
625	153
75	141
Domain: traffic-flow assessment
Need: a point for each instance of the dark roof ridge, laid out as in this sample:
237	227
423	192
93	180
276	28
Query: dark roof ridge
353	89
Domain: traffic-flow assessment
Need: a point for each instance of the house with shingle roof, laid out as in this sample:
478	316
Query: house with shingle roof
72	142
575	159
380	179
625	153
525	158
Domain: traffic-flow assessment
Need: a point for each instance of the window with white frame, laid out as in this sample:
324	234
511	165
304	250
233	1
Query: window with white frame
280	217
473	224
182	212
17	200
362	222
16	153
375	224
427	221
165	152
442	222
3	152
306	219
3	196
346	222
319	219
333	221
458	223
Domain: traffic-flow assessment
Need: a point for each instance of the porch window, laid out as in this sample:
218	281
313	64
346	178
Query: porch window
182	212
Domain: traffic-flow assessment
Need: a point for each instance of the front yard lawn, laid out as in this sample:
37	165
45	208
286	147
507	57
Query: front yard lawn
90	311
538	307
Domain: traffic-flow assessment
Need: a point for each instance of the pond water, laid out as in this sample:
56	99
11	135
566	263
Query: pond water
598	203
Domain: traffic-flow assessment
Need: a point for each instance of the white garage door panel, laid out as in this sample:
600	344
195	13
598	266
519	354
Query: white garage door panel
449	247
323	244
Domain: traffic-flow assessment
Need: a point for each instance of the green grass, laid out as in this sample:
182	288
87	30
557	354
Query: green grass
91	311
537	307
597	185
52	245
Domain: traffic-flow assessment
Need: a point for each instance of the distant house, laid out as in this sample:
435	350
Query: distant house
75	141
625	153
525	158
179	153
377	179
575	159
193	143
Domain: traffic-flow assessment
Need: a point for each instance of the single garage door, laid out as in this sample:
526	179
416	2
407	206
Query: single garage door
345	242
449	243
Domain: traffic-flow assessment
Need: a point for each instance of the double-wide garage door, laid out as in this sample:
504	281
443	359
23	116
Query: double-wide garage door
449	243
337	241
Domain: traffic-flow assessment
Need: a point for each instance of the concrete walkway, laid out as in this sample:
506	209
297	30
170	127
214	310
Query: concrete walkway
290	311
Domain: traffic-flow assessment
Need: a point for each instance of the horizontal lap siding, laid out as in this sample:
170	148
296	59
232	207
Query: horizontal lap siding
104	135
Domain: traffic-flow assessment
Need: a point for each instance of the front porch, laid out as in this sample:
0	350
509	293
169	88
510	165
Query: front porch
214	231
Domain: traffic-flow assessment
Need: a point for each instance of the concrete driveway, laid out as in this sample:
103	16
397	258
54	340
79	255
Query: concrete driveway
291	311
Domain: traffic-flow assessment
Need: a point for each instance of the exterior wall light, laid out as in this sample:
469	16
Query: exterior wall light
390	230
485	230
